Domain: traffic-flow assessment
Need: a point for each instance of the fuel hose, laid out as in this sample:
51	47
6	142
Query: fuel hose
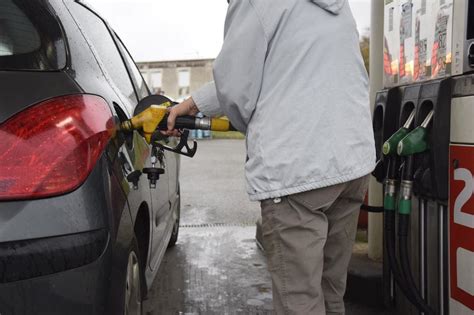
403	277
204	123
389	226
404	213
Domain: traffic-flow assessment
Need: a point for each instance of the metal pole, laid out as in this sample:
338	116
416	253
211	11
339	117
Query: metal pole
376	84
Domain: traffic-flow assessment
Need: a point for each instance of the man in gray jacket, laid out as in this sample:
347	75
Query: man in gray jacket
291	77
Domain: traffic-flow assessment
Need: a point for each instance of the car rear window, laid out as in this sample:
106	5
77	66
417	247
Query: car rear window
30	37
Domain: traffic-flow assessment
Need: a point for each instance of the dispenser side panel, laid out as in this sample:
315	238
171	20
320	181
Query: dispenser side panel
461	225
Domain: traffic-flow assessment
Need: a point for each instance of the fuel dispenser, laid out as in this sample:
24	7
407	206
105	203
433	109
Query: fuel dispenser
424	133
461	200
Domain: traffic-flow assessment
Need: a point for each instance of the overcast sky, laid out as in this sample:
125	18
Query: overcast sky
180	29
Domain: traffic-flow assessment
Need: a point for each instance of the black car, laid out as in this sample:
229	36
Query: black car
82	231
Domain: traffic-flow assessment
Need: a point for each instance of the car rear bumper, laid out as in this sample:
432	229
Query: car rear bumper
59	275
85	209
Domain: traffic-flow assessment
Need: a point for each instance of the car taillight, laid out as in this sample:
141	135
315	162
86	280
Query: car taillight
50	148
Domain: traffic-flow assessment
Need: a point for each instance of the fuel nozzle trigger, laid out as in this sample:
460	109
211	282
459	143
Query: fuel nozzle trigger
183	147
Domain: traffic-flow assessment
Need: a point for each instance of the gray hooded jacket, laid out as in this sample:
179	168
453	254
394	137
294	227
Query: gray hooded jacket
290	75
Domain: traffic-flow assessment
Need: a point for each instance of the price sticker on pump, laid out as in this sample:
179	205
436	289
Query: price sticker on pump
461	228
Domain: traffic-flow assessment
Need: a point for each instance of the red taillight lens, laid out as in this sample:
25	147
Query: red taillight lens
51	148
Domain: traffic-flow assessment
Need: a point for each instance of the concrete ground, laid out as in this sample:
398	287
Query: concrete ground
216	267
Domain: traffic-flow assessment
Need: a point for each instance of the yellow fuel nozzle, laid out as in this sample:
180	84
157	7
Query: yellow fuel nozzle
148	120
154	118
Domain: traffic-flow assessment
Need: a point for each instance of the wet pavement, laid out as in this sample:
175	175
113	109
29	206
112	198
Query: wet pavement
216	266
213	185
213	270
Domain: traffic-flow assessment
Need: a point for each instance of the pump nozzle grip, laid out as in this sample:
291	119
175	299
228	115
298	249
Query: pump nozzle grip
415	142
390	146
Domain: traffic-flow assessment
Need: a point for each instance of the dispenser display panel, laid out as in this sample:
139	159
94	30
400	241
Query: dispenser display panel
391	50
417	40
463	37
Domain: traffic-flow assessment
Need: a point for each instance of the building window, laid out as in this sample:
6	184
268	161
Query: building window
156	82
184	82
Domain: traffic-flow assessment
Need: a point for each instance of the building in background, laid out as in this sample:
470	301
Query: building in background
178	78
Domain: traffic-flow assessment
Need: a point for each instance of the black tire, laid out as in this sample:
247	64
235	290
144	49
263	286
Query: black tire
134	288
175	232
142	236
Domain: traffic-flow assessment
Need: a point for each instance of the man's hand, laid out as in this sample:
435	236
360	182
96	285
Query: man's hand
188	107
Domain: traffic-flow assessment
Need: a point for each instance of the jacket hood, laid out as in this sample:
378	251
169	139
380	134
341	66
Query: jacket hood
332	6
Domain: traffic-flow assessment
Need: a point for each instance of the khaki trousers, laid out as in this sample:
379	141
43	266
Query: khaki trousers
308	239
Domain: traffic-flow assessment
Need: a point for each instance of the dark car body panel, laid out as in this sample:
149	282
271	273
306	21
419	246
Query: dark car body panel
105	201
55	216
36	87
45	256
55	294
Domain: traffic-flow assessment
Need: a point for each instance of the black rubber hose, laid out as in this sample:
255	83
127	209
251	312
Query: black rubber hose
409	290
389	222
403	226
408	170
392	169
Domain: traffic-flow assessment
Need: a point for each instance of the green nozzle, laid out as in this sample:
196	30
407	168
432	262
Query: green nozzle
417	140
414	142
390	146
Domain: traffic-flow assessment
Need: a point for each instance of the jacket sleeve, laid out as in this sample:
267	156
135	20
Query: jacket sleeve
206	100
238	70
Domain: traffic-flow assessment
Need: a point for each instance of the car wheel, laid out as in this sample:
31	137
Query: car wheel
133	296
174	234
